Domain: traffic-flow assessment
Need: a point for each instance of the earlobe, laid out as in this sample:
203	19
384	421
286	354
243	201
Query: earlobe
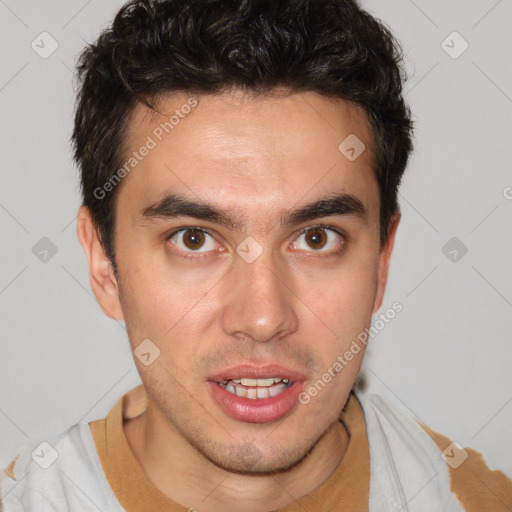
384	259
102	278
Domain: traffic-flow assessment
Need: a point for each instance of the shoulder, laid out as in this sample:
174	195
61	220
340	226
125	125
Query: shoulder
61	472
464	470
476	486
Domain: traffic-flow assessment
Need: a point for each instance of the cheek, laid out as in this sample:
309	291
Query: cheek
341	297
167	306
153	288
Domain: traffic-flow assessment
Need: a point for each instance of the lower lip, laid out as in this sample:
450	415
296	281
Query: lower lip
258	410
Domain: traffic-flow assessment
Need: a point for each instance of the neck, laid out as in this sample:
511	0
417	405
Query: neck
183	474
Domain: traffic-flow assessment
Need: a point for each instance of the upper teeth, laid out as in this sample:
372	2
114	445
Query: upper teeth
260	382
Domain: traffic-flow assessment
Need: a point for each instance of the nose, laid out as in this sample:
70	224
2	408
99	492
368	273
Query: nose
261	305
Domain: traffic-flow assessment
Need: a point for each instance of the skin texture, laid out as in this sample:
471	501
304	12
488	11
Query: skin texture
296	305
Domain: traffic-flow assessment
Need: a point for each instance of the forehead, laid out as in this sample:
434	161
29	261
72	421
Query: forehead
245	152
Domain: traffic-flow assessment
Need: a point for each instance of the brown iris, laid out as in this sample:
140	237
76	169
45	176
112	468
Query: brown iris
316	238
193	239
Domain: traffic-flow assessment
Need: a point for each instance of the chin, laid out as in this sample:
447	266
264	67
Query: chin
250	458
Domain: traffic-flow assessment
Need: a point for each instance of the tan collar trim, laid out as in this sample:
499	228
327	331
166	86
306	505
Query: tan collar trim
348	485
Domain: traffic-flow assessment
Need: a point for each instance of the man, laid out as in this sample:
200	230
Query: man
240	165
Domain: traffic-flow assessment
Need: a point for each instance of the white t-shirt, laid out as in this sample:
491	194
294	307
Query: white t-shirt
60	474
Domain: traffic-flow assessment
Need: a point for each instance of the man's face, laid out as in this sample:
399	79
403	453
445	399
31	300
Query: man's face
267	296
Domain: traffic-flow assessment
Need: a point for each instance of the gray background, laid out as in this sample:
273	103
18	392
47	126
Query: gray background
447	356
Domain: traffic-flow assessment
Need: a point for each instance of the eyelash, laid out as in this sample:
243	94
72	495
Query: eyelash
338	251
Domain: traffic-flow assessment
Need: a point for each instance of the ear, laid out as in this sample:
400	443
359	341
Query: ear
384	258
101	275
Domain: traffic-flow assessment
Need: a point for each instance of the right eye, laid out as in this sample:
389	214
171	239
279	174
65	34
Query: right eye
192	239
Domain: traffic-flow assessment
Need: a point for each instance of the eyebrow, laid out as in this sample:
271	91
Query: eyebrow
177	205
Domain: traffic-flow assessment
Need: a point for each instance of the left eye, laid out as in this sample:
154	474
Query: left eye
195	240
319	239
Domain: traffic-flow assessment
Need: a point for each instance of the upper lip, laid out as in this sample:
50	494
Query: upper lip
257	372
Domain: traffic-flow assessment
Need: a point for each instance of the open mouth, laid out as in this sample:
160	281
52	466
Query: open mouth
256	394
256	388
